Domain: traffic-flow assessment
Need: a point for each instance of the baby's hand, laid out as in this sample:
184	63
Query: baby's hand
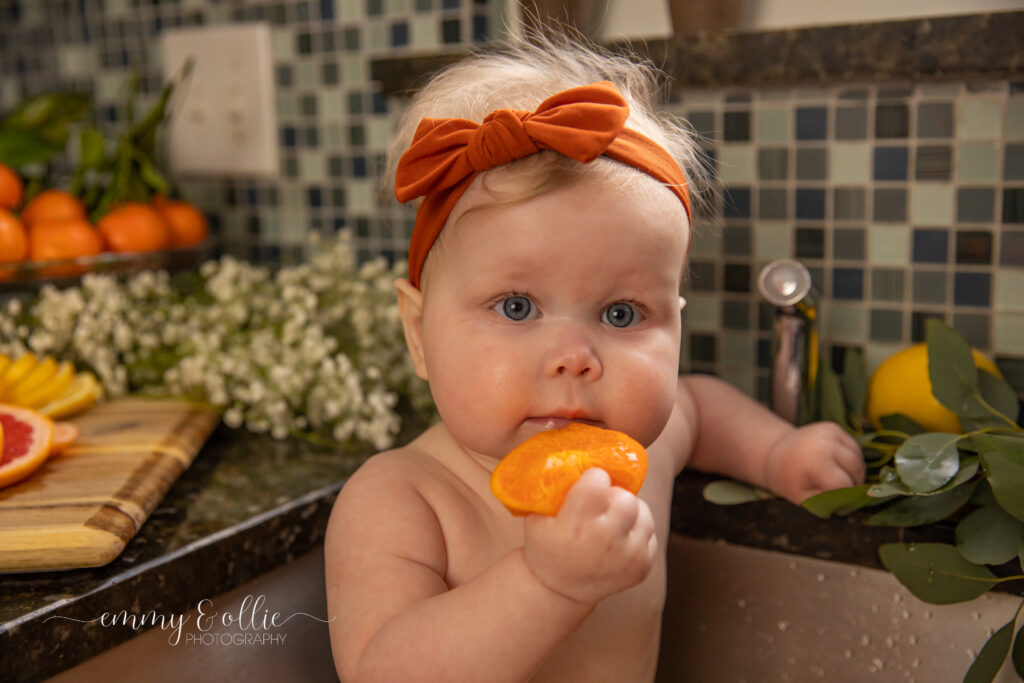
601	542
815	458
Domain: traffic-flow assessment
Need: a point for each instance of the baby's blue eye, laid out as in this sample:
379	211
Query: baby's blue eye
515	308
619	315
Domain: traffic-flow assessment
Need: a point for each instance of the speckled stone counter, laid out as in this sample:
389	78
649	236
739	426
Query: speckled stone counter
977	45
250	504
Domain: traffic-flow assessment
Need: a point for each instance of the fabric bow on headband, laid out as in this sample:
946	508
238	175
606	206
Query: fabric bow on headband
582	123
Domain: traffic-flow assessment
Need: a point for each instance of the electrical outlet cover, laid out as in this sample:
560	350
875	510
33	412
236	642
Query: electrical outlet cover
223	120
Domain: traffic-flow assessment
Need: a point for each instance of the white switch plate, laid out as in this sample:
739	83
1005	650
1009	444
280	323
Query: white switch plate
224	118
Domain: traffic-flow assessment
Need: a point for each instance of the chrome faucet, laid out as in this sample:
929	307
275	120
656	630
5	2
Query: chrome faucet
786	284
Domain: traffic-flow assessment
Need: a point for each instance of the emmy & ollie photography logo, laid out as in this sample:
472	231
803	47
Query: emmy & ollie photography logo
250	624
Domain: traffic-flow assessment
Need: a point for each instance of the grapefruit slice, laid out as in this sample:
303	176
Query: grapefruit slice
64	434
27	437
536	475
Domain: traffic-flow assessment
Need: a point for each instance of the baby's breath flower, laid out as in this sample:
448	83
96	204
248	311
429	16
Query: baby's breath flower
316	347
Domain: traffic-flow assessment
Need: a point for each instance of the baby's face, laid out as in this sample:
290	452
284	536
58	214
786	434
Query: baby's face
562	307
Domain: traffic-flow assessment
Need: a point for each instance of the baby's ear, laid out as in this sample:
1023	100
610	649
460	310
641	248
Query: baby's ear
410	308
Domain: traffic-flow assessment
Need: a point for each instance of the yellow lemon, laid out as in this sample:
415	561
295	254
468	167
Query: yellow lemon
901	385
83	392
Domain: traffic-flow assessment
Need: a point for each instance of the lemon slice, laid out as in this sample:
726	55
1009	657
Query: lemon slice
39	374
49	390
83	392
17	370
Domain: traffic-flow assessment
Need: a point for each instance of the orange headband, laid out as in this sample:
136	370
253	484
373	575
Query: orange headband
582	123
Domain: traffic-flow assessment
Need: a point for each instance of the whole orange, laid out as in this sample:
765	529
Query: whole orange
13	238
12	190
187	223
52	205
135	227
55	240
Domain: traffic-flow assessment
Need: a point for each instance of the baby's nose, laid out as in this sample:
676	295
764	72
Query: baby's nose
574	356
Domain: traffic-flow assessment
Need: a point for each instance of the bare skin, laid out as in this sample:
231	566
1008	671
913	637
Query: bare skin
429	577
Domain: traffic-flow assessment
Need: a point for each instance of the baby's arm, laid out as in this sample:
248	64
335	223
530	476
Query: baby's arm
395	618
738	437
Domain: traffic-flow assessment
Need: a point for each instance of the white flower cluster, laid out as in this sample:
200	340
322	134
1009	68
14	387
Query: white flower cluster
314	349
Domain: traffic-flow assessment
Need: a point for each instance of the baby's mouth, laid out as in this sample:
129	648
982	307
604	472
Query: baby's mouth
554	422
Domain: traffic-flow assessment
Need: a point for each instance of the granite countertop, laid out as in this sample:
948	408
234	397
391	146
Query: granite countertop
249	504
982	46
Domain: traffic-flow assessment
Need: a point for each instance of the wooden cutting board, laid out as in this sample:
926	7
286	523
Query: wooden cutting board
82	506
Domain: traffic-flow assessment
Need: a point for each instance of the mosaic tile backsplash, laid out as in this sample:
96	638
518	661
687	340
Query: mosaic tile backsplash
906	201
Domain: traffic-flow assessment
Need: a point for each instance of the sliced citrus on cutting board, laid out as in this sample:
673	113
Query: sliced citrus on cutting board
536	475
27	437
83	392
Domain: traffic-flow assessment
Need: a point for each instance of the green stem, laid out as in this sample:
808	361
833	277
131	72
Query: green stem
985	404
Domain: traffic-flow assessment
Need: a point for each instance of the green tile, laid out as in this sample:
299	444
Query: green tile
706	241
876	352
1009	283
774	125
932	204
360	197
738	349
846	323
702	313
331	105
76	60
312	166
939	90
334	137
850	162
306	75
287	106
424	32
889	245
1008	329
736	164
977	162
979	119
1015	118
353	70
350	10
379	133
773	240
376	36
110	86
396	6
284	45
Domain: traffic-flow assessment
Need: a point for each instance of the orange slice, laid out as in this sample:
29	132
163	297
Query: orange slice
64	434
27	437
536	475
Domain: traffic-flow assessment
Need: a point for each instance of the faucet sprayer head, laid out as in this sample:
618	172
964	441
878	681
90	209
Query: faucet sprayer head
785	282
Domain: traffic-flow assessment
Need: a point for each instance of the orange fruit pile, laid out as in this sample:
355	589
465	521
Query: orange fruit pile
53	225
536	475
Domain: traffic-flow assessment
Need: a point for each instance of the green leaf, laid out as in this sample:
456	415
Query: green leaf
92	147
855	383
1003	460
901	423
998	393
832	405
918	510
21	148
51	111
840	501
1017	656
951	368
153	179
936	572
927	461
983	494
988	536
988	662
728	492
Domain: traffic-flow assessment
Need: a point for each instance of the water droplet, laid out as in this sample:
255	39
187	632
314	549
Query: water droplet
854	573
916	663
975	615
749	619
878	663
792	565
927	614
912	547
889	642
847	654
896	598
822	630
783	625
970	653
820	578
865	639
912	639
741	603
905	614
874	609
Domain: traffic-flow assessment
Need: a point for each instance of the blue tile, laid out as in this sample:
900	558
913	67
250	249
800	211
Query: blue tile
890	163
810	204
886	325
737	202
811	123
399	34
315	197
451	4
327	9
848	283
359	167
481	31
764	353
737	125
451	31
1013	205
931	246
972	289
289	138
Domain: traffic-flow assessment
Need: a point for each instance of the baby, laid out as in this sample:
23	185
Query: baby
546	265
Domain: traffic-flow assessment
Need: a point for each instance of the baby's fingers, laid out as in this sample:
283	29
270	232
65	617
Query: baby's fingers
588	497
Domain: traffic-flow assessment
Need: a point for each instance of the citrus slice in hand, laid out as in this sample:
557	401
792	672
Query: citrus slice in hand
536	475
27	437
